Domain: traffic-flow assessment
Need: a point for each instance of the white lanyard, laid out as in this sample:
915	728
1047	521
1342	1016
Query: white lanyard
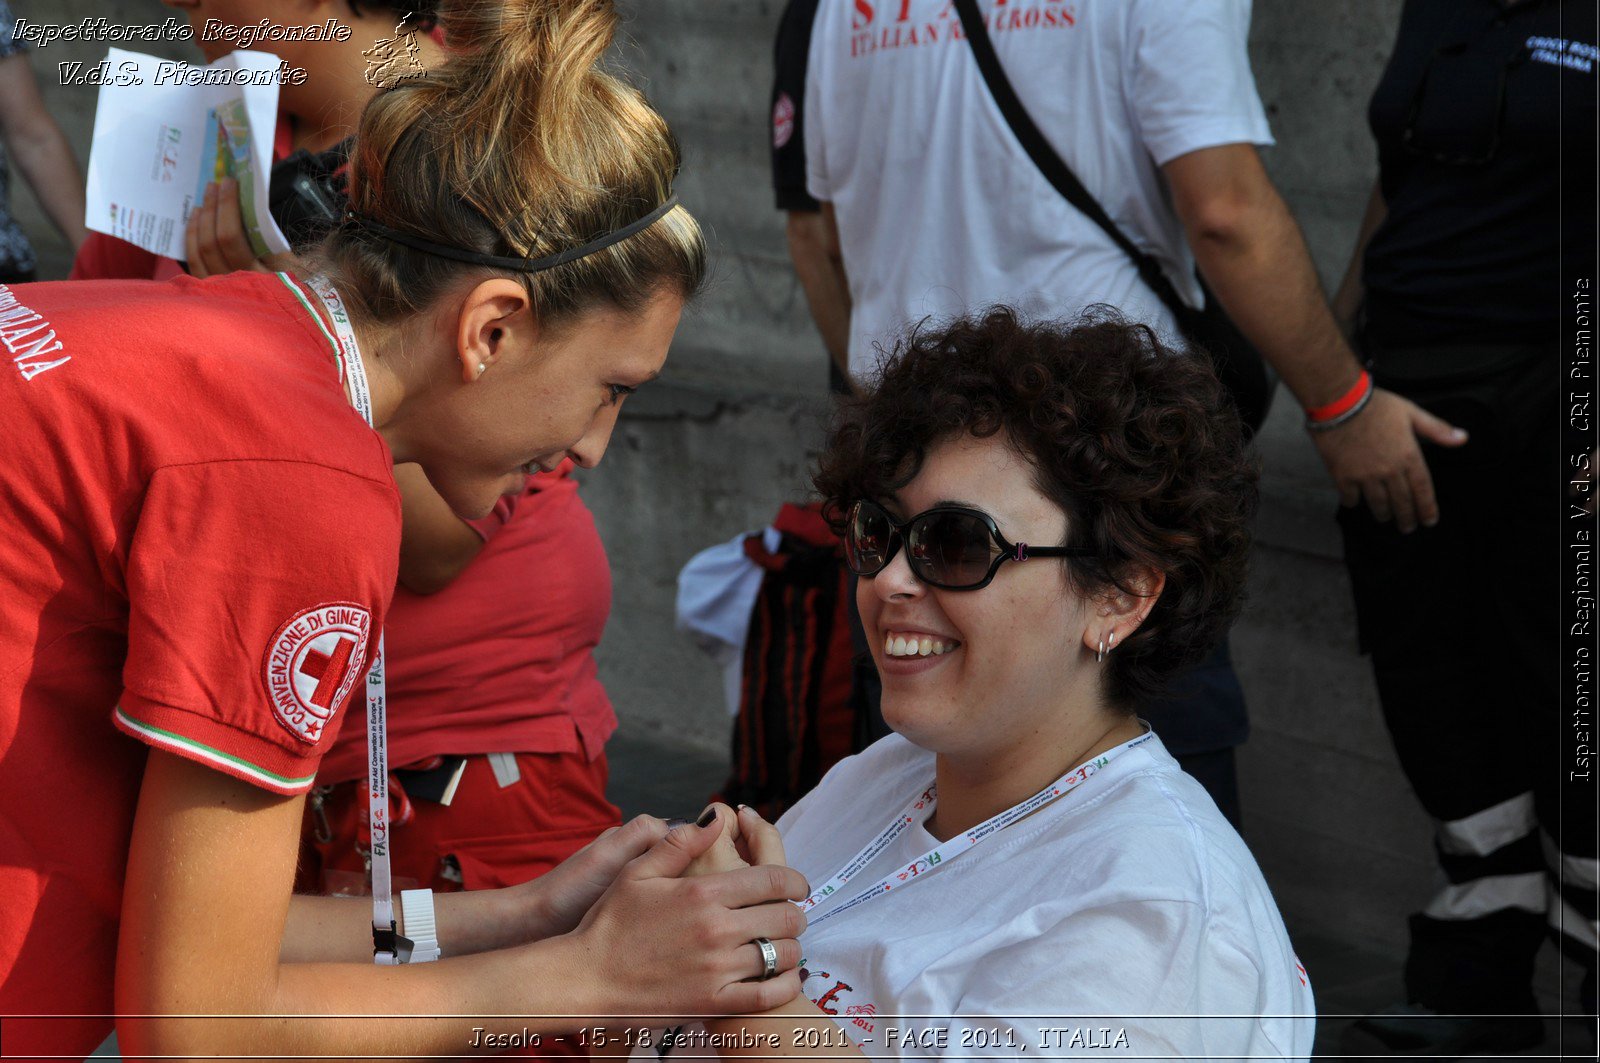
945	851
353	373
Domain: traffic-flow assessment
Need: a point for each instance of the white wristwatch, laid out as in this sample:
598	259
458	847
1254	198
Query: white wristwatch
418	925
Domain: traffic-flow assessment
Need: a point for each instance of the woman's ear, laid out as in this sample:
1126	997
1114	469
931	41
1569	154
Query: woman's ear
1117	612
496	321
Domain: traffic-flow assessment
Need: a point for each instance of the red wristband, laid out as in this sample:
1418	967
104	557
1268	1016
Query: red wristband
1344	403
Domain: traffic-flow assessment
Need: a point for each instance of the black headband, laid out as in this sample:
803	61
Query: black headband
524	265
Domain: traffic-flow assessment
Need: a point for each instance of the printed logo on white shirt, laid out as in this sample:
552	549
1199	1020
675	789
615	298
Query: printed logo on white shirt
884	25
830	993
313	662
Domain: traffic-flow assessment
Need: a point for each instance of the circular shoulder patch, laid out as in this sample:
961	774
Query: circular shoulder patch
311	664
782	121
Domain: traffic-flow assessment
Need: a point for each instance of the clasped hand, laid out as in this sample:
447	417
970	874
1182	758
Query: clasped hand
673	930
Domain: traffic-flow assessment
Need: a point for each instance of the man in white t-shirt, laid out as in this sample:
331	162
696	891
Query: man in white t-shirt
909	195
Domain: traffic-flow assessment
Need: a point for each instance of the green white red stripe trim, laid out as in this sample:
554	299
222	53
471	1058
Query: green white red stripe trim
177	743
338	351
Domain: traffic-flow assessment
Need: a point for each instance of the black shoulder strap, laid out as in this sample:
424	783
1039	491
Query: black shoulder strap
1050	164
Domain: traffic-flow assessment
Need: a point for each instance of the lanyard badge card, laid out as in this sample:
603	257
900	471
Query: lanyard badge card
420	944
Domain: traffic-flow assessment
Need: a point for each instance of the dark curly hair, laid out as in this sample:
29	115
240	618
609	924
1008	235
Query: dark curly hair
1138	445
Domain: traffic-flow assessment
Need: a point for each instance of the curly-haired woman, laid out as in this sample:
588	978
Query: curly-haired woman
1050	520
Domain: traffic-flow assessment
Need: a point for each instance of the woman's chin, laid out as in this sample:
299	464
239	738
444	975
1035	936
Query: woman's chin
909	717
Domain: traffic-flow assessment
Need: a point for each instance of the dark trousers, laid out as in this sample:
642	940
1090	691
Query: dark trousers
1462	624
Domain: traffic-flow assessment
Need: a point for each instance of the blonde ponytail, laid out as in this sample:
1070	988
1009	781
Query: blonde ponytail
519	146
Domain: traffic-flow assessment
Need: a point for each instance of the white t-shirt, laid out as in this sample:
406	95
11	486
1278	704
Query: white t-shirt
1069	933
941	211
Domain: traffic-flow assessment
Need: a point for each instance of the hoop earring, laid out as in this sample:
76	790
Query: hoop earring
1100	654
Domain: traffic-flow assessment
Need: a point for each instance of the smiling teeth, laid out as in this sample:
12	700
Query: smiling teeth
915	646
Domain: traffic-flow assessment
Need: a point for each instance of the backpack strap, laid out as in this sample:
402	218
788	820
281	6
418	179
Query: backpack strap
1052	166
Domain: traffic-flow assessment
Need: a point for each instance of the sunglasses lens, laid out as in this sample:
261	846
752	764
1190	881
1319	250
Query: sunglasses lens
866	539
951	549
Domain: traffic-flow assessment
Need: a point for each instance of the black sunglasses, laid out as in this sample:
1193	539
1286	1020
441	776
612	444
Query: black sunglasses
949	547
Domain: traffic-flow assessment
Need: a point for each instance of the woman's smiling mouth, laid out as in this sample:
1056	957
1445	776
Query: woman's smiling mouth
906	644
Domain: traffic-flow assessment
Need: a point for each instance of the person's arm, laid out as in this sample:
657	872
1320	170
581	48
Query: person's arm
40	148
472	921
797	1027
814	248
1352	290
207	899
435	544
1253	255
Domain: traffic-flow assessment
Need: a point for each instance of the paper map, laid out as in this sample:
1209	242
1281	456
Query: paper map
158	141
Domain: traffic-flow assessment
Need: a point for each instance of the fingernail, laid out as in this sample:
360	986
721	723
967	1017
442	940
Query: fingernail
674	824
706	817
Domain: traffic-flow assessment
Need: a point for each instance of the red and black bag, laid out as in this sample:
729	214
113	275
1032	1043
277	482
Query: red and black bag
799	713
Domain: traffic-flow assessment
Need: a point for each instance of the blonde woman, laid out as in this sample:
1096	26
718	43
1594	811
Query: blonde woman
201	533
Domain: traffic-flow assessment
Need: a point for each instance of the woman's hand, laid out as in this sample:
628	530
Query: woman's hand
215	239
673	945
557	901
746	840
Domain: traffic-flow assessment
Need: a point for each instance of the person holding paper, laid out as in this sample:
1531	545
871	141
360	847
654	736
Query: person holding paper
200	539
1049	522
316	114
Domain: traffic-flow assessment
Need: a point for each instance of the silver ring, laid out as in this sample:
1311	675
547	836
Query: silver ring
769	958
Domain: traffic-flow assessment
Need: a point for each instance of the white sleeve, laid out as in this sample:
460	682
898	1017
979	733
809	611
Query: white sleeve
814	106
1188	76
1132	979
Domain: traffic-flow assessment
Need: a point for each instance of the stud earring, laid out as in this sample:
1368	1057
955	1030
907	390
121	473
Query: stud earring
481	367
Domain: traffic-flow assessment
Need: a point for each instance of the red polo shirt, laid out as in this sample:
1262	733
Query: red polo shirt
198	542
502	659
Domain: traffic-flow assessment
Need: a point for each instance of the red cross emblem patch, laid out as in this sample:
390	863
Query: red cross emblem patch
782	121
312	663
